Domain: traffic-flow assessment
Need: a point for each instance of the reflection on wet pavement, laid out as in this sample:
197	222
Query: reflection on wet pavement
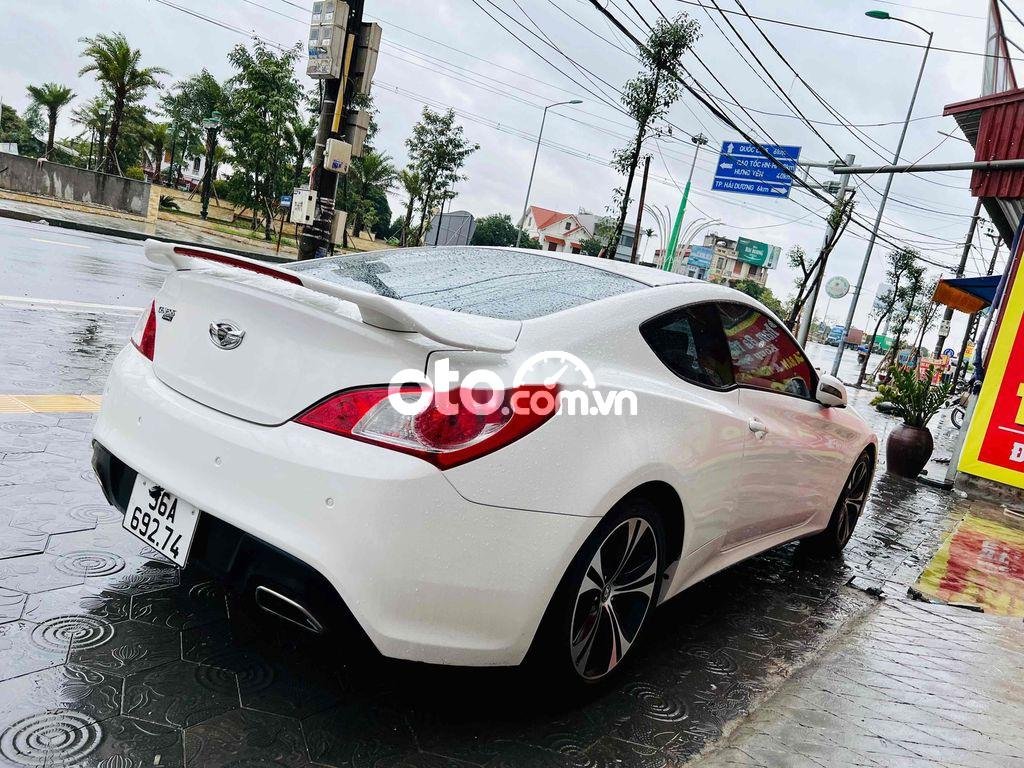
113	657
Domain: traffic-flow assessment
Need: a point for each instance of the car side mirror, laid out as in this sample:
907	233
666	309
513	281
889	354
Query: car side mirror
831	392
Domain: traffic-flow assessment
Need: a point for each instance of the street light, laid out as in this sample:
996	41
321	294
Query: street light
536	152
670	255
212	125
883	16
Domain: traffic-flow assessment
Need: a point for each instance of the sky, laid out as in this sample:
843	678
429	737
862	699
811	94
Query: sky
451	53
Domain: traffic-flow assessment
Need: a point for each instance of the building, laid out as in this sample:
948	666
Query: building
726	264
557	231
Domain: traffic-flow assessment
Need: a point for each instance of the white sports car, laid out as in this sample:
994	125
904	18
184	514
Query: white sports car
479	456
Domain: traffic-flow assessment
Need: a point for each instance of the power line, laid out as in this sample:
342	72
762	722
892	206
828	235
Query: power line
853	35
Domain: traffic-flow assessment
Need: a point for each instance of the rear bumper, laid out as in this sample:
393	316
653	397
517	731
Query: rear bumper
428	575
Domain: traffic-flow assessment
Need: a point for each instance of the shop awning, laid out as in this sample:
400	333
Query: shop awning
967	294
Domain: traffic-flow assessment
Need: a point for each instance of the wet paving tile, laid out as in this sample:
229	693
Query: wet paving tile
24	650
180	694
82	598
130	647
181	607
244	737
67	686
12	603
35	573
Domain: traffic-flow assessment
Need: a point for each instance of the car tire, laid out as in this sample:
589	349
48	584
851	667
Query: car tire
847	511
604	601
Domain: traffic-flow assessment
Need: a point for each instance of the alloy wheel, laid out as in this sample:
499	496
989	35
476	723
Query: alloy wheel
613	600
852	503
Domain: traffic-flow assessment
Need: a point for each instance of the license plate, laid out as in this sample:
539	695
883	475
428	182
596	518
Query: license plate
161	520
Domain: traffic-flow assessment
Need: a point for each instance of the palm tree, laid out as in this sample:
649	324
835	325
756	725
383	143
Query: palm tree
116	65
156	137
94	116
54	97
412	185
373	172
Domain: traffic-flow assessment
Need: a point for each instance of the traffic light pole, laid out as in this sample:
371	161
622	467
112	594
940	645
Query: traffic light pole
948	314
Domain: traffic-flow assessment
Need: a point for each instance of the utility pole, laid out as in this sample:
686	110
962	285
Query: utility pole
640	211
972	321
885	193
807	315
343	55
947	316
170	167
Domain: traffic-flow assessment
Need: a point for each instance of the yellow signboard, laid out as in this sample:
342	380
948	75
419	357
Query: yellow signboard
994	446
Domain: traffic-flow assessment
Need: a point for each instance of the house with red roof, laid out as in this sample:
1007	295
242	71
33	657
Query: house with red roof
556	231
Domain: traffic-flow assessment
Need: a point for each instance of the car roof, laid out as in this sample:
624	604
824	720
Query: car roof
642	274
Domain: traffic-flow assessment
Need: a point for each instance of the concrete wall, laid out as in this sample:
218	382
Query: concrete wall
74	185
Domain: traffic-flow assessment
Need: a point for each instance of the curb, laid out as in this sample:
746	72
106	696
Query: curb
96	229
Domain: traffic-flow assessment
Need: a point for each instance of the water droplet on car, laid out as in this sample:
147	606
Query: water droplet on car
329	502
217	461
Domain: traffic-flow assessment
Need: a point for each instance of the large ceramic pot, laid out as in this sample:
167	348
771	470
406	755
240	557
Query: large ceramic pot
907	450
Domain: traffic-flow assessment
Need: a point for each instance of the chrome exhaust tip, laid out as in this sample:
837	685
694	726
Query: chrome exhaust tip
285	608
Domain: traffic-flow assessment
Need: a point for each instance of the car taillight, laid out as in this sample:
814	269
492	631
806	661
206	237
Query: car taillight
448	432
144	335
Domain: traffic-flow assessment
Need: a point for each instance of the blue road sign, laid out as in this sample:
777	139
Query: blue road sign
742	169
948	352
286	201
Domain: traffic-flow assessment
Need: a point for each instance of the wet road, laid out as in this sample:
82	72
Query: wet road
111	657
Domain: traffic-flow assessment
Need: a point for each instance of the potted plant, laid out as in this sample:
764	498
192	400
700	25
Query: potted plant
915	399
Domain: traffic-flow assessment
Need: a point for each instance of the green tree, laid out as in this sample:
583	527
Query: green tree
94	117
21	129
900	264
762	293
300	136
412	185
117	67
52	97
438	150
648	96
498	229
263	98
157	137
370	177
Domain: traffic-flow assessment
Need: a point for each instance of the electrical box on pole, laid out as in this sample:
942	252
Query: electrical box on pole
364	63
338	223
303	209
355	131
327	39
337	156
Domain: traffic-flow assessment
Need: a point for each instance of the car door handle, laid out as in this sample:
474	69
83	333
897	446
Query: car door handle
757	427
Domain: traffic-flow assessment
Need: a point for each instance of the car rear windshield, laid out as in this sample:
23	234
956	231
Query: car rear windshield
509	285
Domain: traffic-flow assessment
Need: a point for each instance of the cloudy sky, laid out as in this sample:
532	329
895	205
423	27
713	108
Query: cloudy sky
450	53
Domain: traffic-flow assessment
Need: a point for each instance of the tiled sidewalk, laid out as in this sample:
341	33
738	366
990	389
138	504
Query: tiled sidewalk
910	685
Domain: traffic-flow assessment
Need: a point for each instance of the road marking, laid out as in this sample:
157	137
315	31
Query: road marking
59	242
62	305
50	403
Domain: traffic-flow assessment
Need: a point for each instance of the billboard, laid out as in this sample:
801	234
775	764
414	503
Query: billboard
994	447
700	256
755	252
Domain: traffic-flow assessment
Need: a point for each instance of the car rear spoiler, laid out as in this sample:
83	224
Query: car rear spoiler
452	328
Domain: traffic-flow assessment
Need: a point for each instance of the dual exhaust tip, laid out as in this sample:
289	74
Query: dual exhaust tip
275	603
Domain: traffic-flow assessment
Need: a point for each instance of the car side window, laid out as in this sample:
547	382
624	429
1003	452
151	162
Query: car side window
763	355
690	342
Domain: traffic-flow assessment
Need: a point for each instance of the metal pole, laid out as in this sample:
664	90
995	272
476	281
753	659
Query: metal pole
878	219
640	211
808	311
673	241
533	168
972	322
947	316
